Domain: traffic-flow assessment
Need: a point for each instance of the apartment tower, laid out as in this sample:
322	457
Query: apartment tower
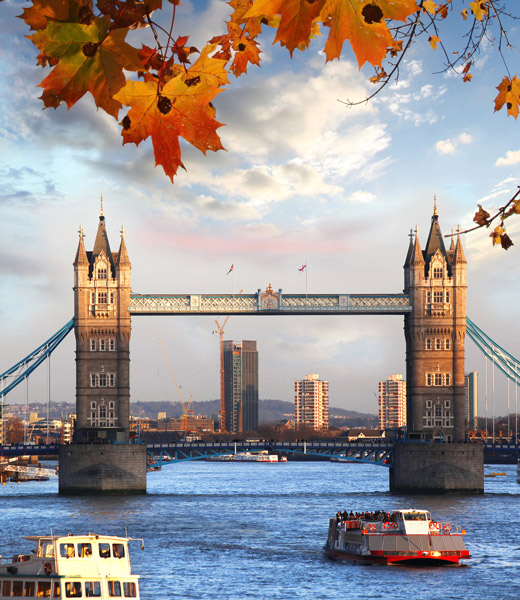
311	399
392	402
241	385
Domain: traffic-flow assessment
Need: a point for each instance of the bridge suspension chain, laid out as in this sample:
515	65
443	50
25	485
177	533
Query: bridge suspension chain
506	362
22	369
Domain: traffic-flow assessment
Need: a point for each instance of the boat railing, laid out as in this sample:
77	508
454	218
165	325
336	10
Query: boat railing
445	528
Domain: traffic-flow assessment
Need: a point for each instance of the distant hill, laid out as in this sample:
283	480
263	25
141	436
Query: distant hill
269	412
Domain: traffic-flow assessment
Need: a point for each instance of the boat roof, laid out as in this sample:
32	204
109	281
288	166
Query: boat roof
35	538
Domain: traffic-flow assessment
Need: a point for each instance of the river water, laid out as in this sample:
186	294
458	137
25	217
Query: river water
256	531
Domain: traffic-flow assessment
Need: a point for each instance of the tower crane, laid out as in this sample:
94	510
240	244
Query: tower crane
222	412
185	407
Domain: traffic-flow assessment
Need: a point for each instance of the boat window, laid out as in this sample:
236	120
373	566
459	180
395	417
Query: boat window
57	589
17	588
104	550
85	550
28	589
73	589
46	549
130	589
92	589
44	589
415	516
6	588
114	588
118	550
67	550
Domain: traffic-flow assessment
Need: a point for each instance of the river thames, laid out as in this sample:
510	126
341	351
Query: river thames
233	531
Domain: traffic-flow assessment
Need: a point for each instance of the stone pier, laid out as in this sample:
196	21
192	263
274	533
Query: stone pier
102	469
437	468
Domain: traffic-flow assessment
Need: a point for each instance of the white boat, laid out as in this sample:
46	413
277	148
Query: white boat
72	566
261	456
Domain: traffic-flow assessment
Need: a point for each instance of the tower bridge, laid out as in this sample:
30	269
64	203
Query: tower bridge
433	304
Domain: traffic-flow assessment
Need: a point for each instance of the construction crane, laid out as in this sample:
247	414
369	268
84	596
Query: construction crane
222	412
185	407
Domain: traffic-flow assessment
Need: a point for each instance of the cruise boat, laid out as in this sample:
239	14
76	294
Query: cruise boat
407	536
72	566
262	456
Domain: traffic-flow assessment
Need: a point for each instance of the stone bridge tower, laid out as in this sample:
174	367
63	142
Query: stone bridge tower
102	327
435	279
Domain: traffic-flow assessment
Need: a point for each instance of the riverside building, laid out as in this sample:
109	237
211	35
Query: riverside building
311	399
392	402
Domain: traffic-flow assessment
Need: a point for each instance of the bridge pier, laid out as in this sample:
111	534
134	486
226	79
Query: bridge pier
102	469
430	468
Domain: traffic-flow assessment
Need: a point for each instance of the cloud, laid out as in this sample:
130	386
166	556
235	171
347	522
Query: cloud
450	145
362	197
512	157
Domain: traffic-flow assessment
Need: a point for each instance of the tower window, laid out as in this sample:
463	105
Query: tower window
447	344
92	345
102	297
112	345
448	296
437	272
437	297
429	344
438	379
438	344
102	273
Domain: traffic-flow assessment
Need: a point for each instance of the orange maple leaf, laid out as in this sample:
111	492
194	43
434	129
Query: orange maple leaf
36	15
509	94
479	9
91	59
180	108
363	23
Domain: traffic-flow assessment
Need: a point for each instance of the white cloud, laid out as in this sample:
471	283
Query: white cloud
362	197
450	145
512	157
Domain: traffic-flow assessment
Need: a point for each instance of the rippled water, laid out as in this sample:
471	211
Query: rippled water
232	531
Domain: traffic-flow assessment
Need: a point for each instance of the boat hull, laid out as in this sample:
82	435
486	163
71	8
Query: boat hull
389	559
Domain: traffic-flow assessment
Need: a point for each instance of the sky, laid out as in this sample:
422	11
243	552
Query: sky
304	180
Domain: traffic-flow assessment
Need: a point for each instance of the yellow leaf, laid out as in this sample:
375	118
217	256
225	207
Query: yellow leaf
464	14
509	94
430	6
434	40
479	9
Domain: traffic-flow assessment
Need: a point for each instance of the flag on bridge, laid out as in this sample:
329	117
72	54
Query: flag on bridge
231	268
302	268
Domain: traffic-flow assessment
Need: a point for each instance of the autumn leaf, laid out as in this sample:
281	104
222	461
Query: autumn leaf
509	94
506	241
128	13
430	6
434	40
91	59
481	216
181	108
363	24
36	15
479	9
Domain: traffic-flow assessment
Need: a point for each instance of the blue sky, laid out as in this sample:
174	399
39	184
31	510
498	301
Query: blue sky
304	180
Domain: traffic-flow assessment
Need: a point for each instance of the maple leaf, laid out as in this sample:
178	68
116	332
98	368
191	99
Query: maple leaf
36	15
133	14
180	108
506	241
91	59
496	234
434	40
479	9
481	216
509	94
363	23
429	6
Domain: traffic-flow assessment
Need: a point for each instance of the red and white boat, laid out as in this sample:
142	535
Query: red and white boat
407	536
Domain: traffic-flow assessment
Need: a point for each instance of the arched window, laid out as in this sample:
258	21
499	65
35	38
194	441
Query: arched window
437	272
102	273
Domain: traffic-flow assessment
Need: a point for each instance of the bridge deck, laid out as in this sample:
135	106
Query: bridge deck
269	303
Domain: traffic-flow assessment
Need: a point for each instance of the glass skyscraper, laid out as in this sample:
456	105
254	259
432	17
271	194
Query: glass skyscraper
241	385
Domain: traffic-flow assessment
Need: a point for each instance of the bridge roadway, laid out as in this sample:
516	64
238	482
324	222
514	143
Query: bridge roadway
374	452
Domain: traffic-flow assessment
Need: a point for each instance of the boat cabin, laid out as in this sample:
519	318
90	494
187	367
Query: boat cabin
413	521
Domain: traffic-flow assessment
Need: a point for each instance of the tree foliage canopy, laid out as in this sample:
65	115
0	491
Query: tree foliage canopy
163	90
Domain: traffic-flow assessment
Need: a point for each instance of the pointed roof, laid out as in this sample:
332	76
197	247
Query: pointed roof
81	258
435	241
410	250
122	255
101	245
458	255
417	257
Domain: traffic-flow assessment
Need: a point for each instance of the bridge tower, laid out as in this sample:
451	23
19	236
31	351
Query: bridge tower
435	279
102	328
101	459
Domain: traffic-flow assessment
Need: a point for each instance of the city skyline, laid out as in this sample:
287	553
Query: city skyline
335	189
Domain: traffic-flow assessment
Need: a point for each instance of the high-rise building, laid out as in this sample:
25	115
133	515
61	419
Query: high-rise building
392	402
471	399
241	385
311	399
